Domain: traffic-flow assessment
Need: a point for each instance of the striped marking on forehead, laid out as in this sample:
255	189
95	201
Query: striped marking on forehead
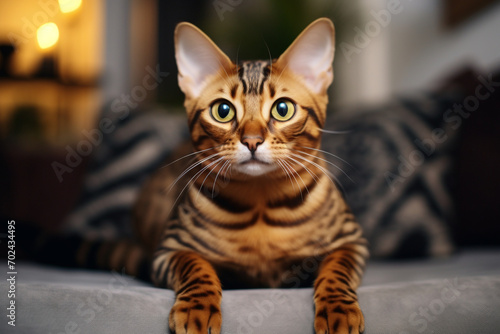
253	74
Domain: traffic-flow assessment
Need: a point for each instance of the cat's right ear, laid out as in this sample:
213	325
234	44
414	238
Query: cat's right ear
198	58
311	55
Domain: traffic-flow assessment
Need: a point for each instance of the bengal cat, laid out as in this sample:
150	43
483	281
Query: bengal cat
254	198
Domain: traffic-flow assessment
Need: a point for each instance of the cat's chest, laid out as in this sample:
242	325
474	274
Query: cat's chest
269	257
262	239
266	253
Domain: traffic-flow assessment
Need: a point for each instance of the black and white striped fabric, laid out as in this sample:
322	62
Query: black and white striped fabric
138	145
398	164
393	165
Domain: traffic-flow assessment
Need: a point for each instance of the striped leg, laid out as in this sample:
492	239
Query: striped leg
198	291
335	299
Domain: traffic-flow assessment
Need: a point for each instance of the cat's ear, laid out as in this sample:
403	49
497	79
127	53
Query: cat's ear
197	58
311	55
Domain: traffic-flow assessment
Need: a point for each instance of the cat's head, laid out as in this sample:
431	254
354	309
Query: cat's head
255	117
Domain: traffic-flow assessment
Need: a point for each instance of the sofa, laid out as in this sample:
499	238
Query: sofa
459	294
414	171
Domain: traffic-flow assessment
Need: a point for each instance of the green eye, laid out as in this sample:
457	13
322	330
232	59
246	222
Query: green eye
283	110
222	111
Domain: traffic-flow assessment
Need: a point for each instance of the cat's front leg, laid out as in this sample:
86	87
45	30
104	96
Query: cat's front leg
335	299
198	291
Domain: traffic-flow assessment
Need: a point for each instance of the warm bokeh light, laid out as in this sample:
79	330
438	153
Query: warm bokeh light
69	5
47	35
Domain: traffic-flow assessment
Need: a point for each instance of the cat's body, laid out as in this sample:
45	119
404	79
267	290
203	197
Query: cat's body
253	205
255	228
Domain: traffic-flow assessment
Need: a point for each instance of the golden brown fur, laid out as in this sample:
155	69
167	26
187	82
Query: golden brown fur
215	216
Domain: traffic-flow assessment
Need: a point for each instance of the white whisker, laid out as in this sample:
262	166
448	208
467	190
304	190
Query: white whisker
205	179
300	177
227	75
195	177
277	81
270	61
335	132
281	164
328	162
228	168
187	170
217	176
313	175
328	153
189	155
237	55
324	170
292	171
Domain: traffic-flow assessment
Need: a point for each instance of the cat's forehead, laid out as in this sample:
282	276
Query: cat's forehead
253	75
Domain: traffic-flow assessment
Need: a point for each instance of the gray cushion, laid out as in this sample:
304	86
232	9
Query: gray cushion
456	295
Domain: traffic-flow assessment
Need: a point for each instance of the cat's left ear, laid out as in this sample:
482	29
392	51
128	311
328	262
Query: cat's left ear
311	55
198	58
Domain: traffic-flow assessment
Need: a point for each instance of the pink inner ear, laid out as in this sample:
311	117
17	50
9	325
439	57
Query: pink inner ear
311	55
197	59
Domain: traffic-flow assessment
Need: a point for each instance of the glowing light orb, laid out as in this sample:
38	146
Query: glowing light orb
47	35
68	6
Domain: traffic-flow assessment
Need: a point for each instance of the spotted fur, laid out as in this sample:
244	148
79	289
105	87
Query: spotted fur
254	201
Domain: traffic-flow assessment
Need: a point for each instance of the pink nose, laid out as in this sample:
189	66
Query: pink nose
252	142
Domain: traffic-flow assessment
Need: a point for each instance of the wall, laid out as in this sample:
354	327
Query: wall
414	50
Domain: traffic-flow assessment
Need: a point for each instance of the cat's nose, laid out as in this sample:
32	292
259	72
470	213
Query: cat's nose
252	142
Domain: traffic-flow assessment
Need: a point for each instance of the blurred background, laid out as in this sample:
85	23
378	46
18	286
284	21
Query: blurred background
63	61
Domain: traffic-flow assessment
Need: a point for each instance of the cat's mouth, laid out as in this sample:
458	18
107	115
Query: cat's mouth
254	160
254	167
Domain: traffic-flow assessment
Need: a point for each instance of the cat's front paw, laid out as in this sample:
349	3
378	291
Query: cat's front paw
196	314
336	317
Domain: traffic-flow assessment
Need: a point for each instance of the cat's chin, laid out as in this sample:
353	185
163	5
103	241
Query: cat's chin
254	168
